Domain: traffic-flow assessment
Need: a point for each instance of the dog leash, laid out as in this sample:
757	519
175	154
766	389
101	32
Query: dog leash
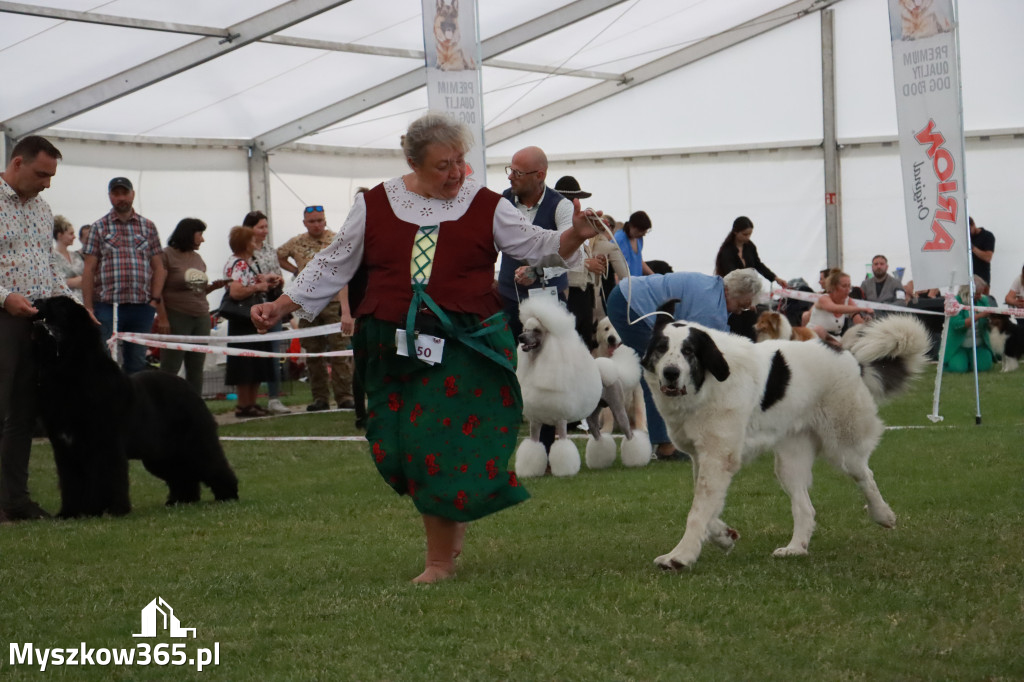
592	217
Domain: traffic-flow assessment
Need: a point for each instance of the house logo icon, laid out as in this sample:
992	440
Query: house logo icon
159	614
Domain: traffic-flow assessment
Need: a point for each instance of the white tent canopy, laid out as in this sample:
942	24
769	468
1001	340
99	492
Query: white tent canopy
695	111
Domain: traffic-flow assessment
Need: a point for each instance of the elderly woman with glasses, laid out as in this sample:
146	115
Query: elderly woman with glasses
443	416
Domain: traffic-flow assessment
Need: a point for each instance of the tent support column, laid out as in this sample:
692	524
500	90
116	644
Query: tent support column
259	180
830	145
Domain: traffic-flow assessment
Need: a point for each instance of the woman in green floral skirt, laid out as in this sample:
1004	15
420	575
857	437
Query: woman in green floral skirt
431	344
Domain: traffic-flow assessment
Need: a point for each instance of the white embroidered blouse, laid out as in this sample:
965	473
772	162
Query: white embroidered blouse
332	268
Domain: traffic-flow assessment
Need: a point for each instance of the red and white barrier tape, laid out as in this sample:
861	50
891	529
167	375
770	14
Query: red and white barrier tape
952	306
212	344
217	350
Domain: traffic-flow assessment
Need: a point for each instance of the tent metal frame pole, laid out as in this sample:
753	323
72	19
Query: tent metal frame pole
259	181
830	145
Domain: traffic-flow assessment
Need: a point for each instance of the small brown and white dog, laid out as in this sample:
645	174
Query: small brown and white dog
448	37
775	326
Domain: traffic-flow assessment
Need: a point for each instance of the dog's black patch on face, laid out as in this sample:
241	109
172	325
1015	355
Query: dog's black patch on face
778	381
655	349
703	356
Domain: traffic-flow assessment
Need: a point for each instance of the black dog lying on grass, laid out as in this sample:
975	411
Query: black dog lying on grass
98	418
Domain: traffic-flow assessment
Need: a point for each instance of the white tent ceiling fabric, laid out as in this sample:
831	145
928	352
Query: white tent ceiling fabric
756	104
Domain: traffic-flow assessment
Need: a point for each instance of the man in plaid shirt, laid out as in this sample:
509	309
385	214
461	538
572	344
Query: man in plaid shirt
123	266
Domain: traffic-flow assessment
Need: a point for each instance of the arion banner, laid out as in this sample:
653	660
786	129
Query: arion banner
926	67
452	51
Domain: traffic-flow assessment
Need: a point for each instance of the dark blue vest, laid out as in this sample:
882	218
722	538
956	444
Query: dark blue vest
545	218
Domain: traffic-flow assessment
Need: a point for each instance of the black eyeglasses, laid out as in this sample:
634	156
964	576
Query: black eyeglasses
314	209
509	170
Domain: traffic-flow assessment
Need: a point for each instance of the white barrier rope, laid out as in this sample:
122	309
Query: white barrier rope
243	352
210	344
951	305
283	335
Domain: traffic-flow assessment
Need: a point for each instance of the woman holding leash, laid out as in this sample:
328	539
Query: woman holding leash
440	428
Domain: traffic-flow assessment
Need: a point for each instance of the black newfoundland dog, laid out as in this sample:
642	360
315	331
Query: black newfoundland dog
98	418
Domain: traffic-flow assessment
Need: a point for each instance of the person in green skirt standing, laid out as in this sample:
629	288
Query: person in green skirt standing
431	343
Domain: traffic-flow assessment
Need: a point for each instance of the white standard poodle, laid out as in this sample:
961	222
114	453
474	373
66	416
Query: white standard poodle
562	383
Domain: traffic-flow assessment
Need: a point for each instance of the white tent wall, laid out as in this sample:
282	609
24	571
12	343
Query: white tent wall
873	213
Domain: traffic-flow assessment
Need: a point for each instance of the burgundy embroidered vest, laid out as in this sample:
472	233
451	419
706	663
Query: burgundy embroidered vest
462	275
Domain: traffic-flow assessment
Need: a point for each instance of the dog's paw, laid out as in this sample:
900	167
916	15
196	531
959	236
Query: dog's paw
600	453
531	460
637	451
790	551
674	562
884	516
564	458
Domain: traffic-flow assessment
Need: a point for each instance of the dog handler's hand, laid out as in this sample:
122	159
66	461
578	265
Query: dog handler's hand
266	315
19	306
582	230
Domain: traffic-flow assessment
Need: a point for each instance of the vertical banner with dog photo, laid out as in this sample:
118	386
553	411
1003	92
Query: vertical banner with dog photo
926	67
452	47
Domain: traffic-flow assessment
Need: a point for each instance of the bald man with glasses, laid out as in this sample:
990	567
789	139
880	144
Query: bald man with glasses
293	256
543	207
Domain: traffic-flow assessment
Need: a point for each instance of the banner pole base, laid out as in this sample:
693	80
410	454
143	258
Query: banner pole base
935	418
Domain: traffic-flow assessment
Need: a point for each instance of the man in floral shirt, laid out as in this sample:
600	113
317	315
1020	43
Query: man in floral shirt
123	266
28	271
293	256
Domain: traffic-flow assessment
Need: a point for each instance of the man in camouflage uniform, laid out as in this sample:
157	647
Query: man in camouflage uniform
293	256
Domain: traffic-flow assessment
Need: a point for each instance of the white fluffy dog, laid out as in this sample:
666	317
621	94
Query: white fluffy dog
726	400
561	383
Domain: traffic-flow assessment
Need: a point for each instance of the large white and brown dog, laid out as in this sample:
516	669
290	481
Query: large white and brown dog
725	400
562	383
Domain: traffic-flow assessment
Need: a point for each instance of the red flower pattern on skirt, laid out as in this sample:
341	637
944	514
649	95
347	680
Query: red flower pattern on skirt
471	423
506	397
460	499
395	402
447	421
450	388
378	452
492	469
433	468
417	410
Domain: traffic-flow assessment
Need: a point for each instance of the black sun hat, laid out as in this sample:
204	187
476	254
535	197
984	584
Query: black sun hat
570	189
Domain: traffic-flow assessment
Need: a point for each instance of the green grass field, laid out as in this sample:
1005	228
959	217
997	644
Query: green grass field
307	576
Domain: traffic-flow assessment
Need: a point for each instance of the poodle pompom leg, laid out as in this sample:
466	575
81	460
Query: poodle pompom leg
531	459
616	401
564	457
600	453
636	451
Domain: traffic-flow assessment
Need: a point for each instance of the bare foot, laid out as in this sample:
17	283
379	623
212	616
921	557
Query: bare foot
433	574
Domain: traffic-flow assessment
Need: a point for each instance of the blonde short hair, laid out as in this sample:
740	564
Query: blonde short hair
434	128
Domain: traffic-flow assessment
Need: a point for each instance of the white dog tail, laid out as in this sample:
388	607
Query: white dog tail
627	366
891	352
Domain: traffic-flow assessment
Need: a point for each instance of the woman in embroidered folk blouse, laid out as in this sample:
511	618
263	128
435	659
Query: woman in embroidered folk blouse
427	243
